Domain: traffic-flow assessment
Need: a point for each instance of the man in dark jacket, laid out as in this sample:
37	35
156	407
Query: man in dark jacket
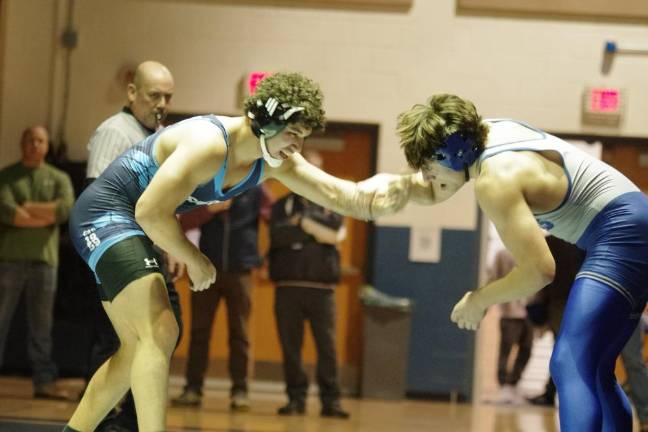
228	237
305	266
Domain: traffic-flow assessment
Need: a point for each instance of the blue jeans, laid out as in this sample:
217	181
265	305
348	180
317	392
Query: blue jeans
635	367
38	281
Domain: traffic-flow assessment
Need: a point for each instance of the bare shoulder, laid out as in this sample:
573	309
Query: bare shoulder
511	163
502	177
198	136
511	167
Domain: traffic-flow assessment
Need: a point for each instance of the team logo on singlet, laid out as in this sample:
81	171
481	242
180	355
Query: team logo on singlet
151	263
91	239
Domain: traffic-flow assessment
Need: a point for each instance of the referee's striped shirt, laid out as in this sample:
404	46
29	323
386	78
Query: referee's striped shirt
113	137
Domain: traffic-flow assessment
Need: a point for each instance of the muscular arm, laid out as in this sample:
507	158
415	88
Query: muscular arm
190	164
503	202
380	195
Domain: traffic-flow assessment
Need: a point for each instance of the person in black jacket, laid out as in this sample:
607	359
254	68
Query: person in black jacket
228	237
304	263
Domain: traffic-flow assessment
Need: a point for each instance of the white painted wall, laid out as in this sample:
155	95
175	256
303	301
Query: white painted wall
27	75
371	65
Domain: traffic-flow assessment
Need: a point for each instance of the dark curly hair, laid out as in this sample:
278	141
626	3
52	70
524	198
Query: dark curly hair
296	90
424	128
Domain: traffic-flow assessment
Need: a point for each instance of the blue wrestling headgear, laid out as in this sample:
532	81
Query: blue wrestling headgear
268	120
458	153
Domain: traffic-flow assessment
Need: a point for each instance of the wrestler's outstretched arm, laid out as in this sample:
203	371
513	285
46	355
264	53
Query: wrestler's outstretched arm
379	195
199	148
502	199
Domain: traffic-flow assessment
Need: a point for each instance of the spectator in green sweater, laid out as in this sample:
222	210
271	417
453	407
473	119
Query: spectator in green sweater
35	198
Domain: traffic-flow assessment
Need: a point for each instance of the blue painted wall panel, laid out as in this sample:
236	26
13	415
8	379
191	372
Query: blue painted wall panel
441	355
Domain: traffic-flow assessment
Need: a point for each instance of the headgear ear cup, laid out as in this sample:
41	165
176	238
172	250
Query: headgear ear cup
260	117
458	153
268	120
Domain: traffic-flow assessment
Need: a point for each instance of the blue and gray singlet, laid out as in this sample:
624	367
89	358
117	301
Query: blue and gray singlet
603	212
104	214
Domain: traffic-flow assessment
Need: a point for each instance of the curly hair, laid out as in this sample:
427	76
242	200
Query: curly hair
296	90
424	128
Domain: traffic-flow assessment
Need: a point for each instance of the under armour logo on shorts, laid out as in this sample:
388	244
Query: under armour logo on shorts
151	263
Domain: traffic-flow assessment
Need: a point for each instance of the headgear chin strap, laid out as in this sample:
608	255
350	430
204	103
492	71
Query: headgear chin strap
268	120
272	161
458	153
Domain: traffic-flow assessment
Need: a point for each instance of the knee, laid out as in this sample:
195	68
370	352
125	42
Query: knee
178	319
165	334
171	331
561	361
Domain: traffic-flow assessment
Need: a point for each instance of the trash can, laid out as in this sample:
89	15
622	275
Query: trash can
385	348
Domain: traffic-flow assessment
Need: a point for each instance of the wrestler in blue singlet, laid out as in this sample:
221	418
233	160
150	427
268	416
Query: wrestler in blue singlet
606	215
104	214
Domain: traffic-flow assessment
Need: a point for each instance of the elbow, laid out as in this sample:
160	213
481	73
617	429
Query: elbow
144	215
539	274
547	278
546	272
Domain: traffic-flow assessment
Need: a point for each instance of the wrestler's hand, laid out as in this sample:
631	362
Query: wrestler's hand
389	193
201	272
175	268
467	313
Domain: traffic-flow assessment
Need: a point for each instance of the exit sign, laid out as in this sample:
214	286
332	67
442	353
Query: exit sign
253	79
247	85
603	105
605	100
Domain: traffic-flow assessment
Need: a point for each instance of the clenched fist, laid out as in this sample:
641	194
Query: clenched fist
201	272
388	193
467	313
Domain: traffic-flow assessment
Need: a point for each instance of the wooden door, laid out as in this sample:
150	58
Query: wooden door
348	152
629	157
